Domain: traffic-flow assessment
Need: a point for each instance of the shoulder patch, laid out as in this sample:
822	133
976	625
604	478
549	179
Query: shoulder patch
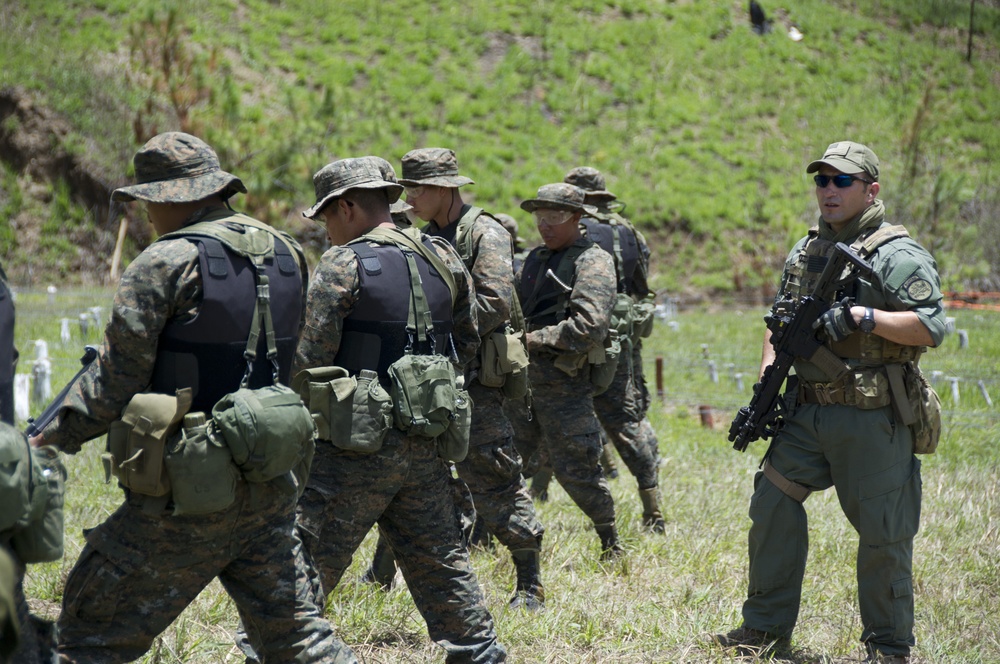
918	288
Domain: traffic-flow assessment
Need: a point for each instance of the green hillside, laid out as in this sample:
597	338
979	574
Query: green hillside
702	126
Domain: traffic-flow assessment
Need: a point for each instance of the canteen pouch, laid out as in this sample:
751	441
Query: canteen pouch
268	430
453	444
137	442
505	363
41	540
424	394
621	315
15	470
926	405
201	469
352	412
604	363
643	316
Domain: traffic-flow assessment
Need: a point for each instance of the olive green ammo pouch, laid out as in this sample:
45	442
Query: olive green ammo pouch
603	362
268	430
918	406
453	444
643	317
201	467
424	394
505	363
352	412
137	442
40	540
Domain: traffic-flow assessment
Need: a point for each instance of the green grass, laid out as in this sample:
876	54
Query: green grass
702	127
669	591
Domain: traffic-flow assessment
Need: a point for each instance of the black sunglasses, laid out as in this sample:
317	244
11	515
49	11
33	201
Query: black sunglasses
840	181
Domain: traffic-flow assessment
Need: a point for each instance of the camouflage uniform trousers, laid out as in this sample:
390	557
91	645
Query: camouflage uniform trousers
37	644
404	488
566	430
620	410
139	571
646	433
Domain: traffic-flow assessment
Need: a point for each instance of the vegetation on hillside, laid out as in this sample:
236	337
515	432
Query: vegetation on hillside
702	126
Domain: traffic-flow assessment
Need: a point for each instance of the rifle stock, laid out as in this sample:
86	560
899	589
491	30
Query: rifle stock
793	336
37	424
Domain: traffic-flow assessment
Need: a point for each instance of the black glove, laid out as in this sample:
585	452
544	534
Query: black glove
837	321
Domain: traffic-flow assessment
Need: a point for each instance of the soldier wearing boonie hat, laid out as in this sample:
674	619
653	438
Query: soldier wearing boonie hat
165	336
855	435
502	502
356	319
622	408
567	290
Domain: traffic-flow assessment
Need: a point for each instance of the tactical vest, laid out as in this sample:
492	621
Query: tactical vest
545	302
869	349
7	353
619	241
374	334
207	353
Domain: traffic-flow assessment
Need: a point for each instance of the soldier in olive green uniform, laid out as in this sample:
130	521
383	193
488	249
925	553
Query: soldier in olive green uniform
356	318
492	469
622	408
849	433
144	564
567	317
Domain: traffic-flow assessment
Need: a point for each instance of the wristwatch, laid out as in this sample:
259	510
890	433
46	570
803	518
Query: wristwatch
867	324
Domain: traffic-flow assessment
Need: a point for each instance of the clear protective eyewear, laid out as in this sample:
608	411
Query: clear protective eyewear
552	217
414	192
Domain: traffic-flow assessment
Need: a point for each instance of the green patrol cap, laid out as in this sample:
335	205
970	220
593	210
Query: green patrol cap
337	178
175	167
848	157
434	166
558	196
591	181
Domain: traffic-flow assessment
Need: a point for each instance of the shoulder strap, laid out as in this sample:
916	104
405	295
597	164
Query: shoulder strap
866	244
403	239
463	234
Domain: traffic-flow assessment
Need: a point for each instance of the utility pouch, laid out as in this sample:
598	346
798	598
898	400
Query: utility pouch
505	363
926	406
424	394
201	469
643	317
268	430
353	413
453	444
621	315
137	442
41	540
604	363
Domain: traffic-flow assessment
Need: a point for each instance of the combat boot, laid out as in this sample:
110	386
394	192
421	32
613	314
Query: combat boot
383	569
749	642
874	656
529	594
610	548
652	518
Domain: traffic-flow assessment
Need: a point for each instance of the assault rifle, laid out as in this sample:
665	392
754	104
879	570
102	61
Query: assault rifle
37	424
793	336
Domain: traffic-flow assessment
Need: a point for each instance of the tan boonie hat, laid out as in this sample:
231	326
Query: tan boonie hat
175	167
434	166
335	179
591	181
558	196
848	157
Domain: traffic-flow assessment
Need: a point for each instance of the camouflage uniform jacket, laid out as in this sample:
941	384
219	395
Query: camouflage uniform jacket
335	288
161	285
589	304
489	264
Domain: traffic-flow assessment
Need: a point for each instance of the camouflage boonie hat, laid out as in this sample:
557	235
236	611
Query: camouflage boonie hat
434	166
558	196
335	179
591	181
848	157
175	167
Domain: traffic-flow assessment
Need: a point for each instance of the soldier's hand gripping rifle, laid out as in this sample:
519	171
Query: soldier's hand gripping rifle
793	336
37	424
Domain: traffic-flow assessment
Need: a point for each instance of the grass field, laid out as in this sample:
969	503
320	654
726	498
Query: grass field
669	591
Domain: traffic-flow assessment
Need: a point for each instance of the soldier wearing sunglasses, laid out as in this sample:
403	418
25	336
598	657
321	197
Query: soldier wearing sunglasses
849	432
